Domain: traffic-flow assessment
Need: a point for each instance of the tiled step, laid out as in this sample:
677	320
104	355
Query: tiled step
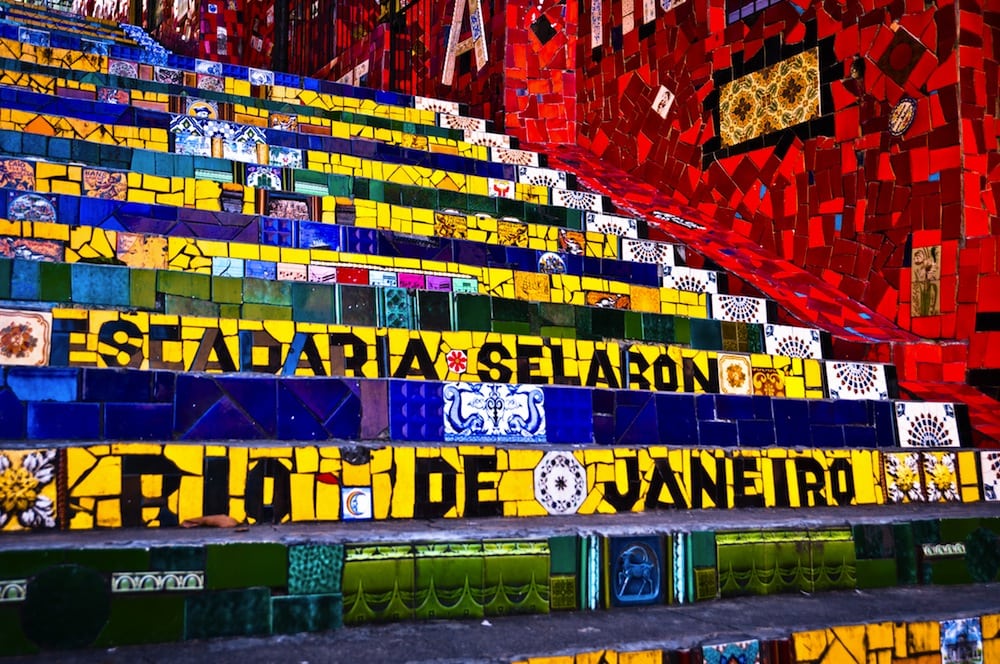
352	296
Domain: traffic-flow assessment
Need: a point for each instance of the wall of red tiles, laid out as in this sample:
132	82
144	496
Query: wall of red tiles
850	201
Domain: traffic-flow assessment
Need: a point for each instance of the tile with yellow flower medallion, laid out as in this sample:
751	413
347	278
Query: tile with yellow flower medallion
28	489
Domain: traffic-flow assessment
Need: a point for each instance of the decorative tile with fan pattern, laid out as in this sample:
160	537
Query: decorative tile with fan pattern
789	341
738	308
856	380
690	279
923	424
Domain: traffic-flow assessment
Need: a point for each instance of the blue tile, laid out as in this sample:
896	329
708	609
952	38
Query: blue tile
720	434
568	415
314	235
762	407
66	421
827	436
416	410
36	384
756	433
295	420
635	418
822	411
704	405
860	436
850	411
110	385
885	423
678	423
138	421
256	397
261	270
604	429
733	407
25	280
224	420
12	412
101	284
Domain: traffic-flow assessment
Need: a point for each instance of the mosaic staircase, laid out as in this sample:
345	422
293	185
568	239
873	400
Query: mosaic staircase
229	291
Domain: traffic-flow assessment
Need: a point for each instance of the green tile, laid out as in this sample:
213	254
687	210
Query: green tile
142	289
949	571
705	334
177	558
154	618
67	606
186	284
703	549
110	560
266	312
873	541
682	330
508	327
833	565
562	554
5	272
906	554
178	305
558	332
474	312
379	590
315	569
956	530
22	564
56	282
608	322
246	565
263	291
982	555
516	311
312	303
230	311
515	584
306	613
876	573
557	314
227	290
12	640
633	325
448	586
227	613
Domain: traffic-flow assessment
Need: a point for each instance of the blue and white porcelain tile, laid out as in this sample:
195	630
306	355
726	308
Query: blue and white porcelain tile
560	483
924	424
223	266
961	641
692	279
738	308
856	380
611	224
356	503
790	341
208	67
494	412
647	251
260	76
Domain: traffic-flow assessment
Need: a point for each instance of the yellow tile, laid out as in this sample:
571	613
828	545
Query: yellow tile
810	646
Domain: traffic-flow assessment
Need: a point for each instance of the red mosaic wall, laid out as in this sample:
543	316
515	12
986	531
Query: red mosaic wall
222	31
846	199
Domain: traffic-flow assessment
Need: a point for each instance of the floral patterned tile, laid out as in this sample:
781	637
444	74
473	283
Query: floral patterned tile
27	489
735	374
25	337
940	477
560	483
924	424
790	341
856	380
903	483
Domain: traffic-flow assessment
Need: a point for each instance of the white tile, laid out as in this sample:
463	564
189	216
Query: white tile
856	380
989	463
791	341
543	177
738	308
691	279
25	337
560	483
612	224
577	200
922	424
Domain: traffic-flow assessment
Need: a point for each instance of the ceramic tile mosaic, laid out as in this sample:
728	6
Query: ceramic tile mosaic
637	570
989	463
926	424
25	337
739	308
611	224
577	200
690	279
560	483
961	641
150	582
487	412
791	341
745	652
27	490
856	380
775	98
